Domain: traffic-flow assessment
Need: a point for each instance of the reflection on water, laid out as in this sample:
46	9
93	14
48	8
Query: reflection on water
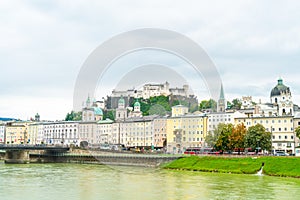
74	181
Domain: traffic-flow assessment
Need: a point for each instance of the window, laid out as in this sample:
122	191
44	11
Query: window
286	137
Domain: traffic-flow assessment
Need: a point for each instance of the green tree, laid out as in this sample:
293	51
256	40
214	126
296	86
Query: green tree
223	139
236	104
257	136
109	114
73	116
298	132
208	104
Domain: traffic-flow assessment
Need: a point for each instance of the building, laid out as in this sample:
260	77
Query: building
179	110
214	119
296	125
136	112
16	133
281	98
61	132
221	105
121	111
147	91
136	132
185	130
160	132
104	132
91	112
2	133
281	128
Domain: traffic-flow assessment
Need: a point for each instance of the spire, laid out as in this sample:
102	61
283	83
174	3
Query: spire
222	93
88	102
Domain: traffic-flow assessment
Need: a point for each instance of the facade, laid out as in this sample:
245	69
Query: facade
214	119
160	132
281	128
152	90
137	132
33	131
2	133
296	125
62	132
184	131
121	111
104	132
15	134
91	112
179	110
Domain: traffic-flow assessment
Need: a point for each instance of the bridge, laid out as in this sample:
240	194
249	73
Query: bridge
33	147
20	153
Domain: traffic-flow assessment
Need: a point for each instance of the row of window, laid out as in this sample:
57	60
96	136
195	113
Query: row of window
190	139
280	137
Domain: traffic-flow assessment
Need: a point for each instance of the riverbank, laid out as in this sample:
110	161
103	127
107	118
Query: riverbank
273	166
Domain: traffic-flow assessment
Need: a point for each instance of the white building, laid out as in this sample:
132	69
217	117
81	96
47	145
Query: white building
2	133
104	132
214	119
63	132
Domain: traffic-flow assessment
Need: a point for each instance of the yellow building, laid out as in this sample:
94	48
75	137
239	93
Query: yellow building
17	132
35	133
185	131
281	127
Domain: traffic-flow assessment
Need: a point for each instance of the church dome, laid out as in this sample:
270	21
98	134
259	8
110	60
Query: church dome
121	101
98	111
280	87
137	104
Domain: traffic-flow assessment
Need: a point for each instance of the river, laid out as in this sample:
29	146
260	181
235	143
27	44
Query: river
88	182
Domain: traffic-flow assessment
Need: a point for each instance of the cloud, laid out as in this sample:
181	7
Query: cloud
44	43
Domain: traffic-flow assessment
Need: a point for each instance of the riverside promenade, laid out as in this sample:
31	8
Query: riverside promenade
69	155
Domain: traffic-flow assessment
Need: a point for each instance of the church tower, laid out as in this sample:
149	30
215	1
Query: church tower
121	111
221	107
281	97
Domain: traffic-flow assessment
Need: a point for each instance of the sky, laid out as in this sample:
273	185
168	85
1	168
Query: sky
43	45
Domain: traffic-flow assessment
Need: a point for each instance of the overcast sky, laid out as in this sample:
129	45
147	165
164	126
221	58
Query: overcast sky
43	44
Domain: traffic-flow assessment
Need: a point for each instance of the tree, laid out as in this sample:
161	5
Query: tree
298	132
109	114
258	138
208	104
212	137
236	104
73	116
237	137
223	139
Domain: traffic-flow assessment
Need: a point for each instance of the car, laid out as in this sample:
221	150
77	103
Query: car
281	153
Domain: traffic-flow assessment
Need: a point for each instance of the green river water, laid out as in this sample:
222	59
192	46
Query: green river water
76	181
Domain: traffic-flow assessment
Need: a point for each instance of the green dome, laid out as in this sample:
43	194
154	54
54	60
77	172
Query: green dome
137	104
280	87
121	101
98	111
